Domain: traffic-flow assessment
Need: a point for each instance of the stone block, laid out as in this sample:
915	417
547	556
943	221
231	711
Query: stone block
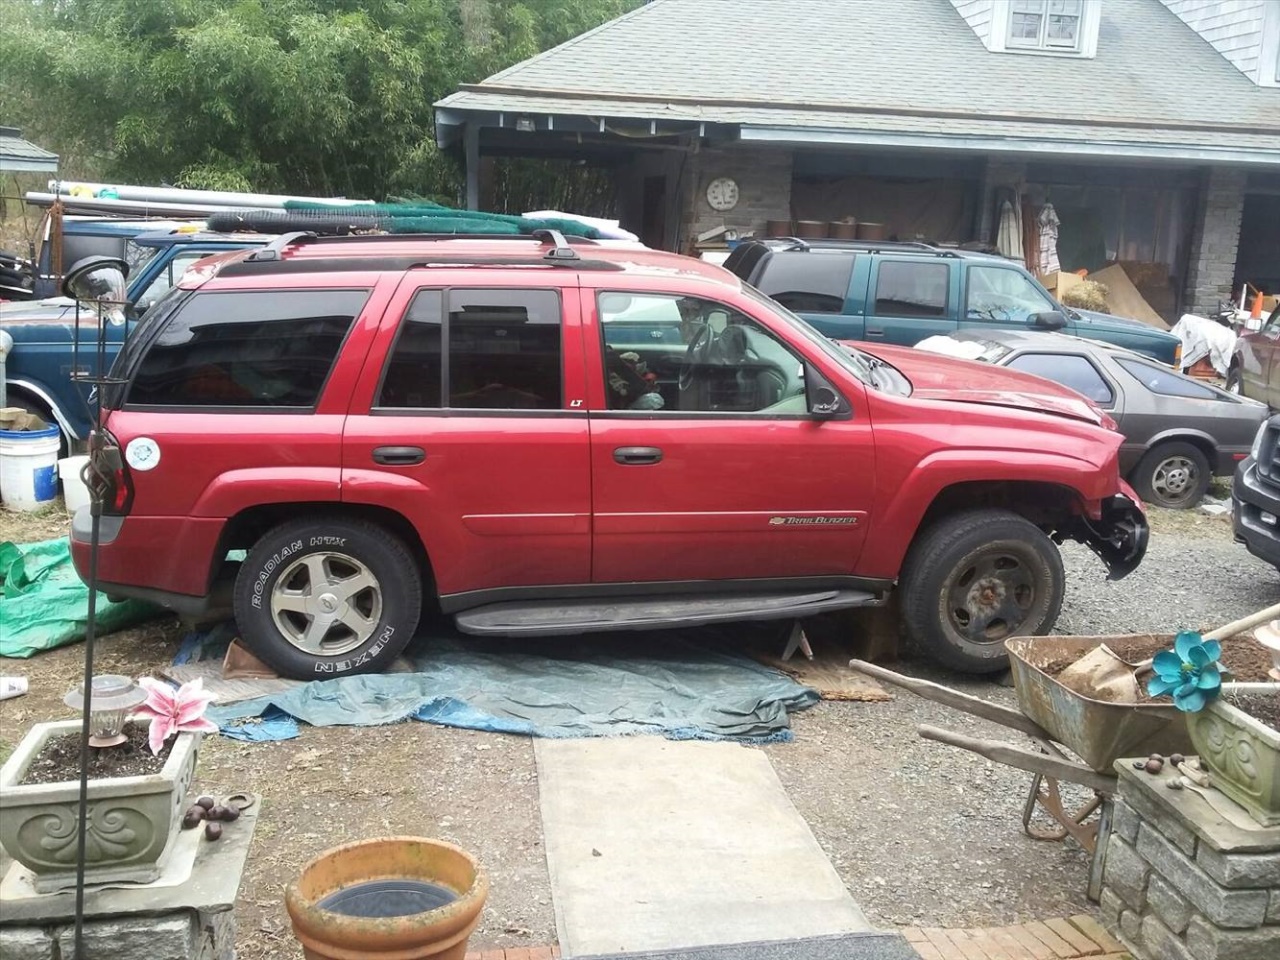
1131	928
1124	822
1155	812
1226	908
1111	907
217	936
1273	911
26	943
1126	873
1160	942
1167	904
1240	869
171	937
1208	942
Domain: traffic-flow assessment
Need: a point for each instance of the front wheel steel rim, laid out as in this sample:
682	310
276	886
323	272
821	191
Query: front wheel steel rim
326	604
1174	479
990	597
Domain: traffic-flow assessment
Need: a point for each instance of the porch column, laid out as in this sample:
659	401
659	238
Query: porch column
1215	239
471	145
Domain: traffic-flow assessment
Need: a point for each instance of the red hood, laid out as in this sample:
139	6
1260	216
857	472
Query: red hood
937	377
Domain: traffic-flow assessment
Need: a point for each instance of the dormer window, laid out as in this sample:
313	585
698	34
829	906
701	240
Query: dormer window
1046	24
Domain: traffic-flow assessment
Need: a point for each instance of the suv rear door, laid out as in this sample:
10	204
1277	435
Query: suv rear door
469	420
910	298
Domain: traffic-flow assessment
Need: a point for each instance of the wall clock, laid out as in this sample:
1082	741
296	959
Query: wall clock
722	194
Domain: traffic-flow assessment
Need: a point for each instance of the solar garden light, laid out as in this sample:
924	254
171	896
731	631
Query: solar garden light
111	697
99	281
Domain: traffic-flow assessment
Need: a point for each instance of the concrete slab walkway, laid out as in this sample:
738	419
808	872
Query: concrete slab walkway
654	845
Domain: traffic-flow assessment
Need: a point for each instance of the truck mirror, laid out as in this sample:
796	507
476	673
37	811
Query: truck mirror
1050	319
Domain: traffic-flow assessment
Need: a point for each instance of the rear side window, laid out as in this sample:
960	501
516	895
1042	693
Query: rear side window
1070	370
247	349
503	352
911	289
808	282
1165	382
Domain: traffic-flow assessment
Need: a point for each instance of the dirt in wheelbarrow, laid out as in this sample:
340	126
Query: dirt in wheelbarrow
1245	659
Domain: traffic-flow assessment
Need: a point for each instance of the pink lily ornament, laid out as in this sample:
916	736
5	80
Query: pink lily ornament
174	711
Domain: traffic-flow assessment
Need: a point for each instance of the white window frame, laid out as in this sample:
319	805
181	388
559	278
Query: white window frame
1085	44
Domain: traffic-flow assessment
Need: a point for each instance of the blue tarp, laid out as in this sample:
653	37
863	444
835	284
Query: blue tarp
655	683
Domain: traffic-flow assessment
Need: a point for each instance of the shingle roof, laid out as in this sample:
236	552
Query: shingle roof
893	67
18	155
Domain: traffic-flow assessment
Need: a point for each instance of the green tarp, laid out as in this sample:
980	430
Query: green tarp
422	216
44	603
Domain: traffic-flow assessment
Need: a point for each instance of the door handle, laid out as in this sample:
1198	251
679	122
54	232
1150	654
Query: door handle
398	456
875	331
637	456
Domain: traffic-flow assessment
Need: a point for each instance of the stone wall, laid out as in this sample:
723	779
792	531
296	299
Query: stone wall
179	935
763	176
1182	883
1215	239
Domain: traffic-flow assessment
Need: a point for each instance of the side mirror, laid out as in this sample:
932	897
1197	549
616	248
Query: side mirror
822	399
1049	320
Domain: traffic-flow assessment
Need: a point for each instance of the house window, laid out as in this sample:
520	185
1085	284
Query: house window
1049	24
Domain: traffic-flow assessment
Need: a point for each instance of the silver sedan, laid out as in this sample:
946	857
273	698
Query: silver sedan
1178	432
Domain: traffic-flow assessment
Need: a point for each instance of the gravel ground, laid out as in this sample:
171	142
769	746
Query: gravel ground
921	833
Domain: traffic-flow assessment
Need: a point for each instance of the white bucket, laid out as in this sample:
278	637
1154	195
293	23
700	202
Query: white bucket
29	468
74	492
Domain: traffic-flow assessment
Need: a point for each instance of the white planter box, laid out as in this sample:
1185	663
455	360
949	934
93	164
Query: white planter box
132	821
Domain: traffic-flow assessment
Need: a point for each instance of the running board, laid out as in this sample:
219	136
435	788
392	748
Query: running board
551	618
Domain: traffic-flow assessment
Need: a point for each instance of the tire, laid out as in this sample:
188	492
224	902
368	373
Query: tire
277	612
1235	381
322	222
991	561
1174	475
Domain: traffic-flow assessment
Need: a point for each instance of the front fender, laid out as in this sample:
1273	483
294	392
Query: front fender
1119	536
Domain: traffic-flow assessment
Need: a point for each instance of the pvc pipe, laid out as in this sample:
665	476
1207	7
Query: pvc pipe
6	347
129	208
216	198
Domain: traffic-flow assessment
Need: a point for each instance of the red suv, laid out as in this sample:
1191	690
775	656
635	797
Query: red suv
544	436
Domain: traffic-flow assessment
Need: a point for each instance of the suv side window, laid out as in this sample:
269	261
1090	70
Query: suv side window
503	352
1003	294
1070	370
907	289
247	349
726	361
808	282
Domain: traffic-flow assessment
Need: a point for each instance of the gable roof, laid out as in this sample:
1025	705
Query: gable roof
23	156
898	71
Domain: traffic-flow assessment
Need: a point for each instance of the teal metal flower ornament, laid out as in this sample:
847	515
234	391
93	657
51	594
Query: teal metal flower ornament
1190	671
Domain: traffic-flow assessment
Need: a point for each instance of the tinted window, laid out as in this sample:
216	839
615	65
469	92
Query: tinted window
1165	382
722	361
503	352
808	282
744	258
1070	370
911	289
247	349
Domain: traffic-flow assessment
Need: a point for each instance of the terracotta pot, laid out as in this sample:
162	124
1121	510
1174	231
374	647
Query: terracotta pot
811	229
871	231
333	921
844	229
777	228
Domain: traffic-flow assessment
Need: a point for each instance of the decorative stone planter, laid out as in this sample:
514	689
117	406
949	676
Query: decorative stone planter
398	898
132	821
1241	752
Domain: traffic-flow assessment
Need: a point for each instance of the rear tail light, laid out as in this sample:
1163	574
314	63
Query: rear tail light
107	476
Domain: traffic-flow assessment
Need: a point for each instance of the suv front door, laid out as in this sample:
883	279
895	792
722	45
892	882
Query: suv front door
728	476
469	421
911	298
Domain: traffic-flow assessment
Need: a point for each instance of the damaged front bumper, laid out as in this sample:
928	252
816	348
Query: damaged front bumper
1119	535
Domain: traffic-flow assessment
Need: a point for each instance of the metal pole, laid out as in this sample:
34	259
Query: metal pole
471	143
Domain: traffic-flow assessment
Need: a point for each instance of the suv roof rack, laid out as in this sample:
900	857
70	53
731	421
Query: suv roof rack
796	243
561	252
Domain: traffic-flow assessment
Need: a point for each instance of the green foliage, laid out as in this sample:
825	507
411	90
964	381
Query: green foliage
324	97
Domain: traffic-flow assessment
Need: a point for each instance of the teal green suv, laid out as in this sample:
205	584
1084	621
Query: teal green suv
903	292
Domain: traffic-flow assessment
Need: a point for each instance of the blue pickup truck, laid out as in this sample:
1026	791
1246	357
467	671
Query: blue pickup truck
38	373
904	292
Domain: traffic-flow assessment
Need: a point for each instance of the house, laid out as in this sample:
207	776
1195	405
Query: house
23	156
1152	127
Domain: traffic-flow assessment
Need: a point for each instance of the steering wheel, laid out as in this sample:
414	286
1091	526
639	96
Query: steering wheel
697	354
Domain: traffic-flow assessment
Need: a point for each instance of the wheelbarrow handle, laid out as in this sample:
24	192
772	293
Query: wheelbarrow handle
1247	623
